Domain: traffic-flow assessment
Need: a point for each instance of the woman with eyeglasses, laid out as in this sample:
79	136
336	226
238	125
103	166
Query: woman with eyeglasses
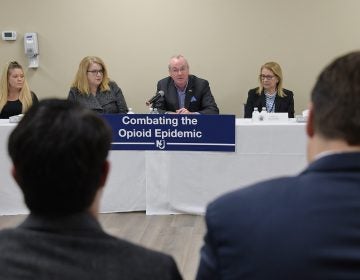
15	95
93	88
270	94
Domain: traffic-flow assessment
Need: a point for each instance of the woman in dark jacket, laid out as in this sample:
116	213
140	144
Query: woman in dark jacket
270	93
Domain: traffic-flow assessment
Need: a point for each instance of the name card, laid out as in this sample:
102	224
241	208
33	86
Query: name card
277	117
172	132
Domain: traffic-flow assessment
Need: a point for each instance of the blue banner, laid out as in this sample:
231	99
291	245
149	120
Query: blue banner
173	132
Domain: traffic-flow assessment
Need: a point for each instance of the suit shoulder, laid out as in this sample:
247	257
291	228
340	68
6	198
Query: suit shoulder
253	91
288	92
245	198
112	84
74	90
138	251
165	80
195	79
114	87
152	263
34	96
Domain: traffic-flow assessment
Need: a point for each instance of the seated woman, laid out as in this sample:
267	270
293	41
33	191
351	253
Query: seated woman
93	88
270	93
15	95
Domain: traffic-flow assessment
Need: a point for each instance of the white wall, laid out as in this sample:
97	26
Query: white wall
225	42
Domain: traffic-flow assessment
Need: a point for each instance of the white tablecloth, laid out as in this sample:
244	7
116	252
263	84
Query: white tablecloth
184	182
166	182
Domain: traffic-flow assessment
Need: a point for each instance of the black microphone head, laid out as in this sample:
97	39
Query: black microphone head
157	96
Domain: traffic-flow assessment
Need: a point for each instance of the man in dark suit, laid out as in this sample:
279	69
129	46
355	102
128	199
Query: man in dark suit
184	93
302	227
59	153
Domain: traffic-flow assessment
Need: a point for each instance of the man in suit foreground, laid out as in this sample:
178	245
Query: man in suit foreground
184	93
59	153
302	227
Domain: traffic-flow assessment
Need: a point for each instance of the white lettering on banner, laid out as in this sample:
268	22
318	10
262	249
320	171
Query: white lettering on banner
176	133
134	133
147	120
188	121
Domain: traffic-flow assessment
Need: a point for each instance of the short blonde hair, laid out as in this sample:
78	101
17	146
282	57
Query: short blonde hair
276	69
25	96
81	82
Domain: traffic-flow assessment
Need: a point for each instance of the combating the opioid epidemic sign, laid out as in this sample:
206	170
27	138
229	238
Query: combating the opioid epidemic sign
173	132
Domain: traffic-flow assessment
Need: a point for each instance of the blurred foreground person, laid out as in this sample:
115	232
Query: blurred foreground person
59	152
306	226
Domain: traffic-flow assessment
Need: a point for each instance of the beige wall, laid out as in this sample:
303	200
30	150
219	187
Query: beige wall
225	42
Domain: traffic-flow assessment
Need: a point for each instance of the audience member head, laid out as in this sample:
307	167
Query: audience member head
179	70
59	153
92	74
334	114
13	81
336	100
271	78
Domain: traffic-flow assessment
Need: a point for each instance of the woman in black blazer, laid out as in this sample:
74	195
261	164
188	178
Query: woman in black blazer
270	93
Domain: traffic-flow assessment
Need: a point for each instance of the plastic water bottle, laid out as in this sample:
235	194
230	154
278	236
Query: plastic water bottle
255	115
154	111
263	114
130	111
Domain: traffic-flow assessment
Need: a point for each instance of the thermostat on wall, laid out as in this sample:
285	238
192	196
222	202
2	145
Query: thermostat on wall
9	35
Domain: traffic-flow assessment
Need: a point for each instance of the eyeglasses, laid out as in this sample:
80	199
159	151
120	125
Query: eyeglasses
176	70
95	72
267	77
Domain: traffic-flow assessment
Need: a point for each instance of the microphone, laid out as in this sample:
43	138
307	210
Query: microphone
155	98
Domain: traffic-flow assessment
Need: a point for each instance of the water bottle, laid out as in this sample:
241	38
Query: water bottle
130	111
263	114
255	115
154	111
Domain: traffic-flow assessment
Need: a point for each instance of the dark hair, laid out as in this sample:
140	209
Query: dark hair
58	150
336	100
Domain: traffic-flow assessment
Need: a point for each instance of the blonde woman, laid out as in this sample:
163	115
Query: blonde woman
15	95
93	89
270	93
